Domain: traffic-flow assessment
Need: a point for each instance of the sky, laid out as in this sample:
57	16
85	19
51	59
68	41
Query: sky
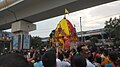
91	19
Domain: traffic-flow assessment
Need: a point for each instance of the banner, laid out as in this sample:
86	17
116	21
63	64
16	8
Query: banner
26	42
15	42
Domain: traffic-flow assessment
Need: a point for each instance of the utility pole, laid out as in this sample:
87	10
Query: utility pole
81	32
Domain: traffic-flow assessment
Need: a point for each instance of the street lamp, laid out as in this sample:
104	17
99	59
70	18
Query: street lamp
81	31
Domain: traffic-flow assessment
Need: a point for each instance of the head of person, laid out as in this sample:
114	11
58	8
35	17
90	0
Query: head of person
66	55
83	50
113	56
37	57
90	57
118	63
49	59
13	60
105	52
78	61
60	56
73	51
98	59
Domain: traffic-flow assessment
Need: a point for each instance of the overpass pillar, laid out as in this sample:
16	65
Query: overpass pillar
21	38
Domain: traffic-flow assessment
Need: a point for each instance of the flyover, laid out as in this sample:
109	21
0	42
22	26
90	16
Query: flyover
38	10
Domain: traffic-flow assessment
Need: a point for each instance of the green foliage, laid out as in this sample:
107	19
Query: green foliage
112	28
93	40
36	42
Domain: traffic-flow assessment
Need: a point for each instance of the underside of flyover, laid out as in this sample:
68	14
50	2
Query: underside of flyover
38	10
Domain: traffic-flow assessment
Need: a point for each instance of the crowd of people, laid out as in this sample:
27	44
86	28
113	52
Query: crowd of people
82	56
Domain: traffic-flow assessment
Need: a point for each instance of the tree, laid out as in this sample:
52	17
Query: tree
112	28
94	40
36	42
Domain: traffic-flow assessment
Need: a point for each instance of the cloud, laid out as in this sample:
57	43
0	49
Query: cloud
91	18
106	9
95	17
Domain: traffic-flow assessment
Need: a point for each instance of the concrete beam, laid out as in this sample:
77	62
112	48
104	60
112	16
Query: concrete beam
23	26
38	10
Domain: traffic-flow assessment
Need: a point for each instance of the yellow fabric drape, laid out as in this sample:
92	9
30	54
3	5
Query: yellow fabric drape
64	28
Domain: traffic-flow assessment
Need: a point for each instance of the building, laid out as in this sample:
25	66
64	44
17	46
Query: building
97	33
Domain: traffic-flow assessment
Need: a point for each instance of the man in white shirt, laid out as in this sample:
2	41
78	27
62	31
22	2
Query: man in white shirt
83	50
66	61
59	63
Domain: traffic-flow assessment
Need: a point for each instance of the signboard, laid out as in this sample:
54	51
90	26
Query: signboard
5	36
26	42
15	42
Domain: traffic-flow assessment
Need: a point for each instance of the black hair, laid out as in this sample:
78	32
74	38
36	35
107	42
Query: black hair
49	59
60	56
79	48
98	59
105	52
78	61
13	60
66	54
73	50
91	58
37	57
118	63
113	56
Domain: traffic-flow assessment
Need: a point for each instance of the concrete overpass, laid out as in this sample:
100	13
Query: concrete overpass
37	10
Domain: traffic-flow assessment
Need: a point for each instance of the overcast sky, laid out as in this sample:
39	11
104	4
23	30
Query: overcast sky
91	18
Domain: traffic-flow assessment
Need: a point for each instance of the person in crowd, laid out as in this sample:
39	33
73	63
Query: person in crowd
105	58
38	61
84	51
73	51
60	55
98	61
118	61
91	58
113	56
25	53
66	61
58	61
31	56
13	60
78	61
49	59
